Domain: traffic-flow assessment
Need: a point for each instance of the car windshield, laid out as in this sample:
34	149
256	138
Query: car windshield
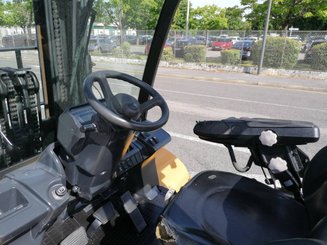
90	36
223	40
242	44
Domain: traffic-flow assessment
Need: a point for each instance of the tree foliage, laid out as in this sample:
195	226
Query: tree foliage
2	15
287	13
209	17
235	20
140	15
17	13
179	22
143	14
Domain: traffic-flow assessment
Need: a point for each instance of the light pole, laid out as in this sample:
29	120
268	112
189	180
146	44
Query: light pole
187	17
264	37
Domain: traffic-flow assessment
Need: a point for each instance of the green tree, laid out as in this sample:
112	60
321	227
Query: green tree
147	14
234	17
179	22
17	13
2	15
209	17
113	12
128	14
287	13
256	13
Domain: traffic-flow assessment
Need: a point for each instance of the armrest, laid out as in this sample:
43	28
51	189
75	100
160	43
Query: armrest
246	131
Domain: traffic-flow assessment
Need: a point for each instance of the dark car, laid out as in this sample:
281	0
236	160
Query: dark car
132	39
200	40
145	39
309	46
170	41
180	44
245	47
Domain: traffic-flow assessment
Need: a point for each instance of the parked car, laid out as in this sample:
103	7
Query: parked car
245	47
132	39
19	40
92	44
251	38
234	39
145	39
168	44
212	39
296	38
170	41
200	40
308	49
102	43
179	46
222	44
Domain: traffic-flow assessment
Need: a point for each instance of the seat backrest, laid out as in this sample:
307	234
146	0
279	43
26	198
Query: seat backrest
315	187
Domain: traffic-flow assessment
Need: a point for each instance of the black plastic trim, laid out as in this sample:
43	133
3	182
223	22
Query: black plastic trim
166	16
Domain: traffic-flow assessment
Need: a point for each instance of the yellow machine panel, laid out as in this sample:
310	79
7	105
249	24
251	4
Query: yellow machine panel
165	169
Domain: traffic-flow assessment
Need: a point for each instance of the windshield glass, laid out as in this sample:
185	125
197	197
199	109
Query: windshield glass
242	44
76	38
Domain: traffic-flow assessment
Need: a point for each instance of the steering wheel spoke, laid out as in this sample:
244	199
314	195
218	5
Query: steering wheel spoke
151	103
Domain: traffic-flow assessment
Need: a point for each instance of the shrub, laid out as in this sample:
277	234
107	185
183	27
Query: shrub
195	53
280	52
231	57
123	51
319	57
167	54
188	57
126	48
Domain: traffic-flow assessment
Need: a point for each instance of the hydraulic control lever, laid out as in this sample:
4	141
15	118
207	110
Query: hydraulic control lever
284	162
9	145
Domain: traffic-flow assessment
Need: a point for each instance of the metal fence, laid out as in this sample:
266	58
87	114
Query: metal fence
139	45
305	39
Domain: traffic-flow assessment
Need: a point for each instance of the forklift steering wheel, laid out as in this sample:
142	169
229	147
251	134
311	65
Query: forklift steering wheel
123	109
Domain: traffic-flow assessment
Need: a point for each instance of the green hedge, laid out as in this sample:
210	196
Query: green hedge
280	52
319	57
122	51
167	54
195	53
231	57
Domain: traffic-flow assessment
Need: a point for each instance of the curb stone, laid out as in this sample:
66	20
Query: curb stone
248	70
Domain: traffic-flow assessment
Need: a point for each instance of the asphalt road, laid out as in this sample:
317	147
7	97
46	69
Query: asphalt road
198	95
192	100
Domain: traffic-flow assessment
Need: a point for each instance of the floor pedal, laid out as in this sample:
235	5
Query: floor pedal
134	213
78	237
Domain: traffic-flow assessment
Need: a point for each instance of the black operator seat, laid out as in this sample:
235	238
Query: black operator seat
217	207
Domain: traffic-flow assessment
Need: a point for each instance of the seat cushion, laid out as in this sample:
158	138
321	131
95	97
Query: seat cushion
224	208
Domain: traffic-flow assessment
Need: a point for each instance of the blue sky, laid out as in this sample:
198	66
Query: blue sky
219	3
